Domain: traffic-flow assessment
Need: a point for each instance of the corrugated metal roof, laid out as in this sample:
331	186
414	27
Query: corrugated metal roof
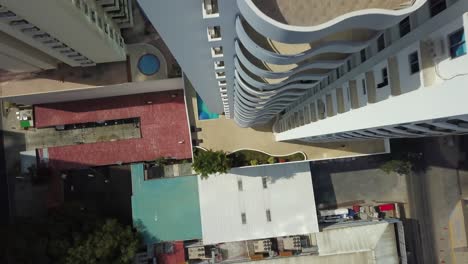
350	239
288	195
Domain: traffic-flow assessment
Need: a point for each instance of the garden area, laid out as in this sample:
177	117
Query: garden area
208	161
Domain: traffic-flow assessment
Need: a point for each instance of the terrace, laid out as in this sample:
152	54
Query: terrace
224	134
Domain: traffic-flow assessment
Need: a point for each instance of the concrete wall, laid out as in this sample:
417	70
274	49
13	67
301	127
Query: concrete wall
17	56
99	92
65	22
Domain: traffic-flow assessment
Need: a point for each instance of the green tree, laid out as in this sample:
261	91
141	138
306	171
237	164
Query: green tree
399	166
109	243
210	162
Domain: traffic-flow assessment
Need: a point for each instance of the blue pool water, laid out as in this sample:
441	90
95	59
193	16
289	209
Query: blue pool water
148	64
203	112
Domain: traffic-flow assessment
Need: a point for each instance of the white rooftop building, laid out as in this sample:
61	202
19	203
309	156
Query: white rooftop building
257	202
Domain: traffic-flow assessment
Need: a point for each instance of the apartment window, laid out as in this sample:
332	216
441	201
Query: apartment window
413	62
99	22
338	74
457	43
264	182
78	3
363	55
405	26
268	215
437	6
384	78
348	65
93	15
219	64
7	14
222	82
328	79
243	218
220	75
217	51
381	42
210	7
239	185
214	33
86	9
364	89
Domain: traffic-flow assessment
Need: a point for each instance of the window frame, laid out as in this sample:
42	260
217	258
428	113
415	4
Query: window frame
411	62
404	26
436	4
384	82
363	55
451	45
364	86
381	42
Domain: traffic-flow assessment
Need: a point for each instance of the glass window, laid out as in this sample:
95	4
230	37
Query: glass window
239	185
381	42
437	6
93	15
244	218
348	65
384	78
364	89
457	43
363	55
413	62
405	26
337	73
268	215
264	182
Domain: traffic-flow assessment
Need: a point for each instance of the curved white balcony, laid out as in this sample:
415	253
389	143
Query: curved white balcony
374	18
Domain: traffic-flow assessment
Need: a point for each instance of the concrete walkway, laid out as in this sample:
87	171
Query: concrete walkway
224	134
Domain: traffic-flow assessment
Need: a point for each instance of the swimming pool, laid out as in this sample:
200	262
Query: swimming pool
148	64
203	112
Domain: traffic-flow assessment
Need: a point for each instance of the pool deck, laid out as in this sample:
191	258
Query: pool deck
224	134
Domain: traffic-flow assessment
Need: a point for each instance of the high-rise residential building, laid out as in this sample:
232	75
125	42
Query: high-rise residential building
325	70
37	35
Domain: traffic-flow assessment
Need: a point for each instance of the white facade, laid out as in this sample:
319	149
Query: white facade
429	102
75	32
257	202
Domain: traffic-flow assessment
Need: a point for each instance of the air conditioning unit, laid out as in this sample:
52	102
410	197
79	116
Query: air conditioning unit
262	246
292	243
196	252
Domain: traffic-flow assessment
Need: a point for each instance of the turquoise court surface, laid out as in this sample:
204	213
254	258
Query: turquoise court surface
165	209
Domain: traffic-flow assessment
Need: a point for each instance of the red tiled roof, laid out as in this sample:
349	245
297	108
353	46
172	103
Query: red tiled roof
163	124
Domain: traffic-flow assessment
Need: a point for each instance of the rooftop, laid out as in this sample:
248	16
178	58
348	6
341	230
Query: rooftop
258	202
163	125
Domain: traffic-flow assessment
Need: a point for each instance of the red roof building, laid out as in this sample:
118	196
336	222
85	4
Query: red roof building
163	124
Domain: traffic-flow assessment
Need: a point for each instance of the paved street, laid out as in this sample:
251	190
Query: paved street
430	194
434	191
344	181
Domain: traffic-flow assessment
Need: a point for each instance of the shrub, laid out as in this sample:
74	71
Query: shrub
254	162
210	162
272	160
398	166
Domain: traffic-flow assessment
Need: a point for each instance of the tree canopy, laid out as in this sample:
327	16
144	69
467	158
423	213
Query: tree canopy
210	162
